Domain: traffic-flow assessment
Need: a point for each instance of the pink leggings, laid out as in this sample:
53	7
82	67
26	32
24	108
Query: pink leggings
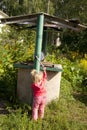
38	107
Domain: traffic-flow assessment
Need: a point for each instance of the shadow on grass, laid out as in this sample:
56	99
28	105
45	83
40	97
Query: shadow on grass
81	97
7	92
3	106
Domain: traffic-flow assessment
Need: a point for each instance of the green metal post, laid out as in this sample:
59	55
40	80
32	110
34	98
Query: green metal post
39	36
44	43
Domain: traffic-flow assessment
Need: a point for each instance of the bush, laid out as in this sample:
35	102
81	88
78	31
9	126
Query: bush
15	46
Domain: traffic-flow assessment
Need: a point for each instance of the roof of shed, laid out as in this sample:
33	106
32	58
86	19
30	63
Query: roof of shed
3	14
49	21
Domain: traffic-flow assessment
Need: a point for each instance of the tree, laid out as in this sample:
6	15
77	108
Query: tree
69	9
17	7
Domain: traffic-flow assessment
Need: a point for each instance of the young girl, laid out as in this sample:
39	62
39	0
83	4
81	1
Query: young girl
39	93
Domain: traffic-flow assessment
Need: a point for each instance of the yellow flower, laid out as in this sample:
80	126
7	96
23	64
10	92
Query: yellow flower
83	63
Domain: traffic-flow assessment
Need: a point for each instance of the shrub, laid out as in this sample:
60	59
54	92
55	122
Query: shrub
83	64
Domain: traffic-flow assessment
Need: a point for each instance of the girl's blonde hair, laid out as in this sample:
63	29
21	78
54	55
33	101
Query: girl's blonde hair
36	77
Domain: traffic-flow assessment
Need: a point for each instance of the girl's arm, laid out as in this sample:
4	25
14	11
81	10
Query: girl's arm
44	73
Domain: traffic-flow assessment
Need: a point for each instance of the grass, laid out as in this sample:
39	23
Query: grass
67	113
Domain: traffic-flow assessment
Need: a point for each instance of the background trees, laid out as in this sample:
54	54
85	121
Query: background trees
67	9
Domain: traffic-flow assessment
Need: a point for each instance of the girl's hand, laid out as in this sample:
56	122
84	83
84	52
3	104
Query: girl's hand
44	68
